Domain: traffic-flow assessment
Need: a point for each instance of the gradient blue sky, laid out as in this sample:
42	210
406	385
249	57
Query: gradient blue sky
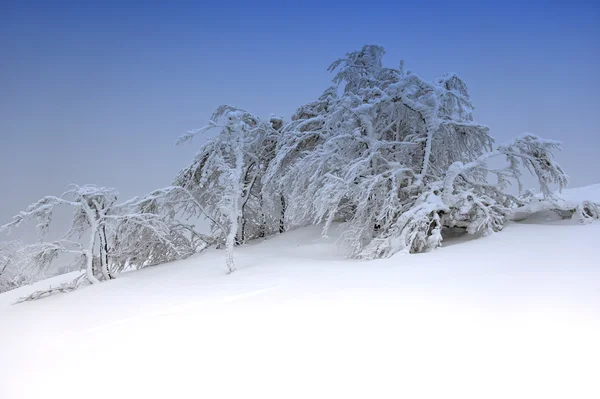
98	92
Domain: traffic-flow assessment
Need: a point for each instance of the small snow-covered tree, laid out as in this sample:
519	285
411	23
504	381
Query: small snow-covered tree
105	236
140	245
10	278
90	205
226	176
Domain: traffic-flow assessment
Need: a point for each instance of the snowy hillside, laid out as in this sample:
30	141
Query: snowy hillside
512	315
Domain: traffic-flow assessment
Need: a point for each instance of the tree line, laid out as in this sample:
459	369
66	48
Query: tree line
390	157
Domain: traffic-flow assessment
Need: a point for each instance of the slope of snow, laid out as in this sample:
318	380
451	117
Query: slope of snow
512	315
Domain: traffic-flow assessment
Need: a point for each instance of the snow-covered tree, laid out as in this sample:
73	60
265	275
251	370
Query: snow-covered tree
225	177
105	236
89	205
140	244
9	275
397	159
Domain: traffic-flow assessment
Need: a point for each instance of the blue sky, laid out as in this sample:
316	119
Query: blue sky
98	92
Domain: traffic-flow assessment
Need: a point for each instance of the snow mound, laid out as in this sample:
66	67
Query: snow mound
515	314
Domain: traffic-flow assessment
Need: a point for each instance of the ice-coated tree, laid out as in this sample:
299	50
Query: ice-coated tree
106	236
137	245
397	159
225	177
10	277
90	206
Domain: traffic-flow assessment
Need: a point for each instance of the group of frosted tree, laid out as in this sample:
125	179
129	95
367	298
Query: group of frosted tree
390	158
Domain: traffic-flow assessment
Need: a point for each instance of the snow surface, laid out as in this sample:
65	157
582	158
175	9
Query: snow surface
512	315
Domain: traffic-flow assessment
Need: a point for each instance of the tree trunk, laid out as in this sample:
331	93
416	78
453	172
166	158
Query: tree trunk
263	220
229	245
104	254
89	258
240	238
282	217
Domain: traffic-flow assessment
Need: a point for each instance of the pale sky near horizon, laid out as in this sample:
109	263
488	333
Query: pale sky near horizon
98	92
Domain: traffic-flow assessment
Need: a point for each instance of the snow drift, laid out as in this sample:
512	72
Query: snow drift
515	314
